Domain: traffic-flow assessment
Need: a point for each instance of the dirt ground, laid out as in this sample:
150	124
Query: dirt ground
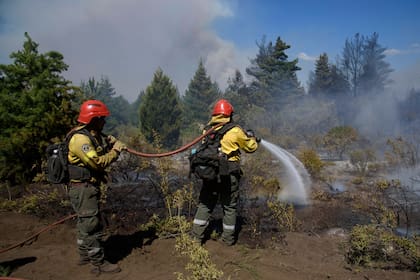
53	256
314	252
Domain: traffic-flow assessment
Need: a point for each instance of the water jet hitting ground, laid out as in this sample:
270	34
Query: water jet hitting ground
295	180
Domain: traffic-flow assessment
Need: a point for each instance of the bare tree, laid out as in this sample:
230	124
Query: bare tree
352	61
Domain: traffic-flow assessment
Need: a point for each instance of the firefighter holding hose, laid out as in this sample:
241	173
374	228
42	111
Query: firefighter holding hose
225	187
89	156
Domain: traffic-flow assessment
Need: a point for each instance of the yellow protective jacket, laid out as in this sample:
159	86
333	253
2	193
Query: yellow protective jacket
234	139
82	152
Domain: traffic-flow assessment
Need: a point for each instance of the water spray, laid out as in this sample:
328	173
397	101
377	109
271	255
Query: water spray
296	179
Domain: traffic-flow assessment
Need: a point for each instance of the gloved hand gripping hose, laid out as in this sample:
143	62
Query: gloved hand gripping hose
251	133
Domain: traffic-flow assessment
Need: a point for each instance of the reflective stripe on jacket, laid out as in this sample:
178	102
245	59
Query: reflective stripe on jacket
82	152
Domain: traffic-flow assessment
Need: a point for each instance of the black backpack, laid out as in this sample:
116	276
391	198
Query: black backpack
57	161
208	162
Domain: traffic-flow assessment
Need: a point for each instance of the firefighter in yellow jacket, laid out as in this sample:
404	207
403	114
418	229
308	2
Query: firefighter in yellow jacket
227	188
89	155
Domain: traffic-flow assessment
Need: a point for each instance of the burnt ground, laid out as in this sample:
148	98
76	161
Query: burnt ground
314	251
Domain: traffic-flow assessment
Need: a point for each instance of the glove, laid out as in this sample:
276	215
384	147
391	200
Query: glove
119	146
250	133
111	139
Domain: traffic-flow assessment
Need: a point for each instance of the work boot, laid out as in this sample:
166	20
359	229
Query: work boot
106	267
228	241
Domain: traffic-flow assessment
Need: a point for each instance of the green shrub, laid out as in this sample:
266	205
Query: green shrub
361	160
41	201
375	246
200	265
284	214
312	162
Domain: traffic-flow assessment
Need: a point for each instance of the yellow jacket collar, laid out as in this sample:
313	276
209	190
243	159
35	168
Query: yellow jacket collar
218	119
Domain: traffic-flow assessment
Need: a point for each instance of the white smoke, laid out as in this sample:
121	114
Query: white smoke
125	40
378	115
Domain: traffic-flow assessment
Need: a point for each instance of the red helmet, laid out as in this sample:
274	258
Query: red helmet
222	107
91	109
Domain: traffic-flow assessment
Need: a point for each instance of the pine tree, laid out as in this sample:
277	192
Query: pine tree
160	111
275	79
133	112
376	70
199	97
327	80
117	105
339	85
322	80
35	107
238	94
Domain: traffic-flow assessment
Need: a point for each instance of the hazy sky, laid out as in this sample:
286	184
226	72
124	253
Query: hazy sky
127	40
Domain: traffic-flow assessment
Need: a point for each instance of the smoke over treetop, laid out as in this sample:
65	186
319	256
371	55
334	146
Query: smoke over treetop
125	40
128	40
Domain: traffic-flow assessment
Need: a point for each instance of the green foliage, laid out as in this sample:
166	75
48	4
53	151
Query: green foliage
339	139
175	223
121	110
239	94
200	265
361	159
160	111
322	81
134	108
269	187
275	79
131	166
378	204
327	81
166	227
374	246
200	97
184	196
39	202
164	166
402	153
284	214
313	164
376	70
363	61
35	107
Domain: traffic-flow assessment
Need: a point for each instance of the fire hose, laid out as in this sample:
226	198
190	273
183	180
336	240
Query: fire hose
35	235
179	150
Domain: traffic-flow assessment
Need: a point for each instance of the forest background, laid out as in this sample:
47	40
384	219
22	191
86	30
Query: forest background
39	106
